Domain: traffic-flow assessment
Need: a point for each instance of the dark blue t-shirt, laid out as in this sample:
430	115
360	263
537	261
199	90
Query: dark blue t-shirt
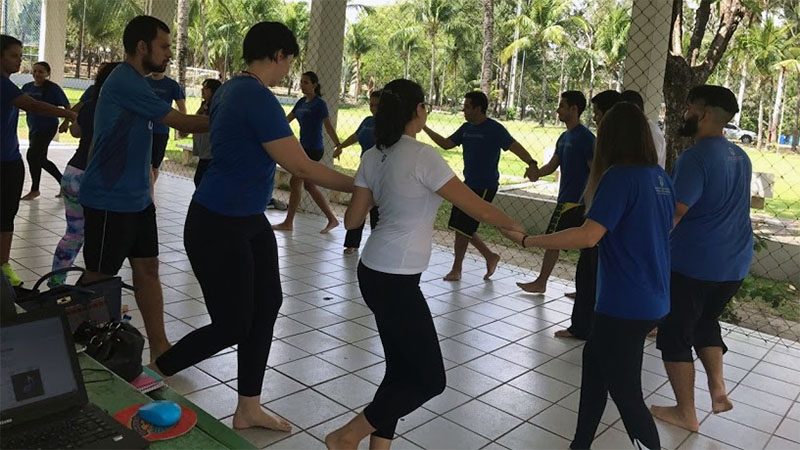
168	90
87	94
310	116
49	93
714	240
366	134
636	205
239	181
575	149
9	144
481	145
86	122
117	177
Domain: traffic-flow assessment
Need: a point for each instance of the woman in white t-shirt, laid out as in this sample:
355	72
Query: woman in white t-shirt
407	180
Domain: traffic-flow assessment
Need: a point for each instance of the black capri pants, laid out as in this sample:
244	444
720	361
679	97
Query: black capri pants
12	177
414	366
235	259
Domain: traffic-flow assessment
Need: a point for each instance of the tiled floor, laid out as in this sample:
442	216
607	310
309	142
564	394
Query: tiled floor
510	383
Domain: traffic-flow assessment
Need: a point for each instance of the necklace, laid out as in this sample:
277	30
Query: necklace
251	74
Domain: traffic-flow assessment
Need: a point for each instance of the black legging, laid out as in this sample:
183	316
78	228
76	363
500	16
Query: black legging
585	293
612	364
414	365
353	237
37	158
235	260
12	178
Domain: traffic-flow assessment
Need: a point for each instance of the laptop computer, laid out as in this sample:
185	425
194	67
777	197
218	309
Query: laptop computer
43	401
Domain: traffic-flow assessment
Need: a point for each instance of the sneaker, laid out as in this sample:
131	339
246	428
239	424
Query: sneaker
11	275
277	204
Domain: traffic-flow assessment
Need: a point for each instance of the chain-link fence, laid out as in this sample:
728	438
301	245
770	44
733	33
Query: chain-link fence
522	53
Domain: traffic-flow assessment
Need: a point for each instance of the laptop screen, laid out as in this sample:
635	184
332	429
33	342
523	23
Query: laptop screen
35	363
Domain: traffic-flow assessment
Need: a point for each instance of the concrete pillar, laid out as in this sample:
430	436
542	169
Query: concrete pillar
53	36
164	10
648	43
324	56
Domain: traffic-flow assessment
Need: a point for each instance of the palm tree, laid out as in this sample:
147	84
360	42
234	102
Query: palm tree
766	43
543	24
612	40
433	14
405	40
183	35
488	47
359	41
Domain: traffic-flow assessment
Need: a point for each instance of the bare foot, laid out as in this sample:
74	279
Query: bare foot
283	226
350	250
156	352
571	294
491	265
243	420
30	195
534	287
719	401
672	415
331	225
454	275
337	441
563	334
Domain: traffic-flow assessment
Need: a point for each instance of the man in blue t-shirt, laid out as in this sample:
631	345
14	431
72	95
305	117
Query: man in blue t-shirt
481	139
574	153
115	190
168	90
12	169
712	247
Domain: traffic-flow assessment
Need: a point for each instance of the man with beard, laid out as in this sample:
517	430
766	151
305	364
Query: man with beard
115	191
711	246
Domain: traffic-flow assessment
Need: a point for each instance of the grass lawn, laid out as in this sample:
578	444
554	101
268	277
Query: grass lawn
785	167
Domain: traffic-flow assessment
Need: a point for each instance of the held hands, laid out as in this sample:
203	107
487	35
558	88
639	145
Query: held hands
532	173
514	235
337	151
64	127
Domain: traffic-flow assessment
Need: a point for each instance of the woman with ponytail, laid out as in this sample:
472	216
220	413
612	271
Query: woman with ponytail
311	112
406	180
42	129
201	142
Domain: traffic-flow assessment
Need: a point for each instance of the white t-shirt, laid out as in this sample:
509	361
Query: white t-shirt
403	179
660	142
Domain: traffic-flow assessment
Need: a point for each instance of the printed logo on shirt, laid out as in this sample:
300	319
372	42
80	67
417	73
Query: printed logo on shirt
661	189
473	135
734	156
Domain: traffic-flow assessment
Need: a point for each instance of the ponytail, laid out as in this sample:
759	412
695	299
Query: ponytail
396	108
314	79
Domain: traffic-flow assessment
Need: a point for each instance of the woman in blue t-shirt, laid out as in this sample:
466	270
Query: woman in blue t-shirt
83	128
631	204
229	240
311	112
42	129
201	142
365	136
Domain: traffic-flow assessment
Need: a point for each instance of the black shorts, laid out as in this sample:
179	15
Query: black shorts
315	155
566	215
693	319
159	149
462	223
110	237
12	177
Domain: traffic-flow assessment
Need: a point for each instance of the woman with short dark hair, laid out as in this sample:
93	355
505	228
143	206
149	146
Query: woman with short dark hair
201	142
228	239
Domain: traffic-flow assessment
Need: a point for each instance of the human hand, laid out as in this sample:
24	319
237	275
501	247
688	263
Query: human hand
532	173
337	151
72	116
64	127
515	235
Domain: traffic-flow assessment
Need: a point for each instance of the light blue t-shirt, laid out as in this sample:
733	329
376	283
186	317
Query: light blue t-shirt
481	146
310	116
48	93
168	90
714	240
9	144
575	149
636	205
117	177
366	134
239	181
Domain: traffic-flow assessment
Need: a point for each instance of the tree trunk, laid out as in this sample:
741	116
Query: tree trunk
591	78
358	77
543	102
742	84
512	84
408	61
776	109
760	119
560	84
796	133
519	88
183	35
431	90
81	37
487	52
727	80
204	30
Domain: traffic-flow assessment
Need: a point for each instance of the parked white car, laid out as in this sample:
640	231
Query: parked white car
735	133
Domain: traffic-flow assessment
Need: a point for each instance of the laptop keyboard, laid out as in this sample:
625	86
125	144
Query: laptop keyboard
71	432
